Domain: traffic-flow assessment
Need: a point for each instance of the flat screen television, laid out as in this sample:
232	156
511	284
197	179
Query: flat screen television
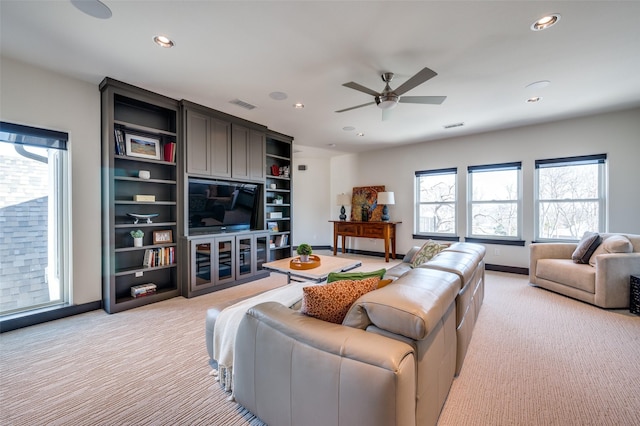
217	206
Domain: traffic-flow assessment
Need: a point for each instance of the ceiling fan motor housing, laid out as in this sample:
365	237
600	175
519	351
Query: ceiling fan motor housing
387	101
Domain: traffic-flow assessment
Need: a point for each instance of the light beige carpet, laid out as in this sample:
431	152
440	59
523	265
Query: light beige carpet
536	359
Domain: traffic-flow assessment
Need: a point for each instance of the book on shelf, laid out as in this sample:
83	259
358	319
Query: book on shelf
170	152
119	142
281	240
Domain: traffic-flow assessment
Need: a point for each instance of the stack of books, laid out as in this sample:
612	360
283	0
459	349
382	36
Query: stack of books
170	152
143	290
120	145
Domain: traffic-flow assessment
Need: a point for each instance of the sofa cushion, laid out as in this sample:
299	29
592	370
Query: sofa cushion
339	276
426	252
587	245
407	257
332	301
565	271
612	244
385	282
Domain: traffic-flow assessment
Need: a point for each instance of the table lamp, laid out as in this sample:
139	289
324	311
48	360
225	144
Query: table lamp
343	200
386	199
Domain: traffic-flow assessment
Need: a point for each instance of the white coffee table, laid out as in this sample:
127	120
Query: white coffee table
328	264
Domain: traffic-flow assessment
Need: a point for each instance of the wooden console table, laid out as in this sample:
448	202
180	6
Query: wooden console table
380	230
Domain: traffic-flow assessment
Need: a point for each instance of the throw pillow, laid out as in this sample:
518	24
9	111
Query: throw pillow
331	302
426	252
587	245
338	276
407	257
612	244
384	283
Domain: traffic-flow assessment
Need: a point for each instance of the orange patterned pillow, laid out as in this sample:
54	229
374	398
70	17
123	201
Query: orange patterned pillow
332	301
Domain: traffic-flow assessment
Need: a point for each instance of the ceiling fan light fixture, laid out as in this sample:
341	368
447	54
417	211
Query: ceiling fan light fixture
94	8
545	22
163	41
387	101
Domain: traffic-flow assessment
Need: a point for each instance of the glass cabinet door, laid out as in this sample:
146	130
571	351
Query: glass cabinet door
224	259
262	250
245	256
201	264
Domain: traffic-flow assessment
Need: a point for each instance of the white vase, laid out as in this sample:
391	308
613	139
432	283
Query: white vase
137	242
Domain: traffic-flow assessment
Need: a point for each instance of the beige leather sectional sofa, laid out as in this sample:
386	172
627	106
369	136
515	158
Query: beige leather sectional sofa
391	362
603	282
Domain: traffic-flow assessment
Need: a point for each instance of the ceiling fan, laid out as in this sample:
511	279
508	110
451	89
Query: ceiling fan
389	98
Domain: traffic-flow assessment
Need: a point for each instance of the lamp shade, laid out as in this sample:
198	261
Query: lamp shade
386	198
343	200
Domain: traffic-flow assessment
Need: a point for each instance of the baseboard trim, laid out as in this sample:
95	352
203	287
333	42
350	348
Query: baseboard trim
38	317
509	269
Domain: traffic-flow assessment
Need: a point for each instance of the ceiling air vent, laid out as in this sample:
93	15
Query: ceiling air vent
451	126
242	104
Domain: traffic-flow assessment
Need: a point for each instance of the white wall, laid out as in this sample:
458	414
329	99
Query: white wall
615	134
39	98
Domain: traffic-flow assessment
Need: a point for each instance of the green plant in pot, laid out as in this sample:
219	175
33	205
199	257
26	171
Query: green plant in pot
137	235
304	250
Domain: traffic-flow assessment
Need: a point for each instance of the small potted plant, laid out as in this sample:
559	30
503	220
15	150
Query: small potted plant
137	237
304	250
279	199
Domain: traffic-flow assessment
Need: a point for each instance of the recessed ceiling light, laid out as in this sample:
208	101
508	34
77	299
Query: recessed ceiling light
534	99
545	22
360	134
163	41
298	105
278	96
94	8
348	128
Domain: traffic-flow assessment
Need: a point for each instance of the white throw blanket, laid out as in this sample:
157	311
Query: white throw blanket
225	330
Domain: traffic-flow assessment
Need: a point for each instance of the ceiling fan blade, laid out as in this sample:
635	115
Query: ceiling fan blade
354	107
416	80
433	100
361	88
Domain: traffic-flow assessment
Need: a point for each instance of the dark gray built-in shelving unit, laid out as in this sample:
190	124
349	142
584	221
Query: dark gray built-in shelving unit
134	111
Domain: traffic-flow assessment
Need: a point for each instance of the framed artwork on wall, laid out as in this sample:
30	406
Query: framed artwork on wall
364	203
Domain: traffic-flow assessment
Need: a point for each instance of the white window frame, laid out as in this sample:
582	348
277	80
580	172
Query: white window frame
59	202
418	203
474	170
600	199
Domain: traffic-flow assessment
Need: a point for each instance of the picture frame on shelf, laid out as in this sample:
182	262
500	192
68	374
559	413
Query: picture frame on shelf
162	237
142	146
272	226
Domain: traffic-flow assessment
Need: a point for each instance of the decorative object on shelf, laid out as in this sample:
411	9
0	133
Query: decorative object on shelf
272	226
275	170
343	200
273	186
137	235
313	261
386	199
284	171
145	198
142	146
144	174
274	215
162	237
278	199
304	250
137	217
364	202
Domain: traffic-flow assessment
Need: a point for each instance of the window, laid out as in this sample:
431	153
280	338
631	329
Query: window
570	197
495	201
34	217
436	202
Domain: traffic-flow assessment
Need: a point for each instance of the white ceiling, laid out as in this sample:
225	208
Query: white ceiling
484	52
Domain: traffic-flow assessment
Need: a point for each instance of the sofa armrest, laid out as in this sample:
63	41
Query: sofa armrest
290	368
613	271
548	251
